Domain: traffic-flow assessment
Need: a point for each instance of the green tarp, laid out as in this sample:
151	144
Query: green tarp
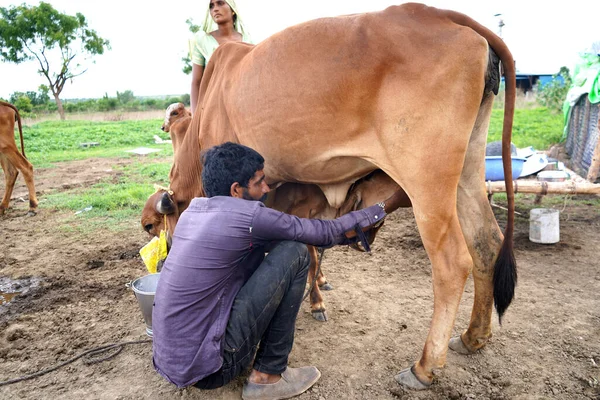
585	81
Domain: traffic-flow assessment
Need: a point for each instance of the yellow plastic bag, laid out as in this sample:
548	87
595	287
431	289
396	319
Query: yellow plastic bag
154	253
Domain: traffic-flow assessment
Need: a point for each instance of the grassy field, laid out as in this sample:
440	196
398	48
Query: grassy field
50	142
536	127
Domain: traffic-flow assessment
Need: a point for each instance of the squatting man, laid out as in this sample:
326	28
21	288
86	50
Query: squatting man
221	304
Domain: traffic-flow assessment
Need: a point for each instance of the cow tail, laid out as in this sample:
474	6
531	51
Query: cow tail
18	118
505	268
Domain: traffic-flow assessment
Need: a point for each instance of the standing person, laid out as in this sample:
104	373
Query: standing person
221	24
221	304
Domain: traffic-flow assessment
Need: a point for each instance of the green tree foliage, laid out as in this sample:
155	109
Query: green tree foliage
170	101
187	61
44	34
23	104
125	97
42	97
185	99
36	98
107	103
552	95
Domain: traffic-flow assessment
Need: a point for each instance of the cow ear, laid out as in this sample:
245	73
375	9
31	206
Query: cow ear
165	204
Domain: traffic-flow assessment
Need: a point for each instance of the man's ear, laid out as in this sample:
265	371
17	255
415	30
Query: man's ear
236	190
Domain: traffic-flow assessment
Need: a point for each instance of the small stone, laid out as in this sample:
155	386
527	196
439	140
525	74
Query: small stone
15	332
93	264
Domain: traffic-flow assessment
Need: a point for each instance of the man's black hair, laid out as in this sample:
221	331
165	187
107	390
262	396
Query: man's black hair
225	164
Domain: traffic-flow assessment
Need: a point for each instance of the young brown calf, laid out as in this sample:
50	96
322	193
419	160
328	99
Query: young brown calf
308	201
177	121
11	160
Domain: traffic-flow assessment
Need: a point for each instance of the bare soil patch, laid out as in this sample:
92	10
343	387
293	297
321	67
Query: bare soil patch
548	346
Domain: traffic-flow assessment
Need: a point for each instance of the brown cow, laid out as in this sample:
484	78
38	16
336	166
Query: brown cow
11	160
408	90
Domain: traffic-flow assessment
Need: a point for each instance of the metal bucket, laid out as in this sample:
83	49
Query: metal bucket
144	289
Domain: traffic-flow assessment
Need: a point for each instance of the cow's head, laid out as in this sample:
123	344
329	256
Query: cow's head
157	207
173	113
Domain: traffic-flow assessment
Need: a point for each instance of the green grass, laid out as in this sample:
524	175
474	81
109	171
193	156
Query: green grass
119	199
117	202
52	141
537	127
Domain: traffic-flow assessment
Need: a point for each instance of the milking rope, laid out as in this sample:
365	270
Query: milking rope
158	188
92	358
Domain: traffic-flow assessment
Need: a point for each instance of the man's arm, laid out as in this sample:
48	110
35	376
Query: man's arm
269	225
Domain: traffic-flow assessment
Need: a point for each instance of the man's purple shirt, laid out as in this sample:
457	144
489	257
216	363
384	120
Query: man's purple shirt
217	245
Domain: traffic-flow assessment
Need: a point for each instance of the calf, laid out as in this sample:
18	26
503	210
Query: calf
177	120
308	201
11	160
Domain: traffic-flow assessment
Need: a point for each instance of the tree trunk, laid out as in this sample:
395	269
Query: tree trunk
61	110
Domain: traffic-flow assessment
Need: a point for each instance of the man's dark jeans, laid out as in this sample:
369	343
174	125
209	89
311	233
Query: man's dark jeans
264	311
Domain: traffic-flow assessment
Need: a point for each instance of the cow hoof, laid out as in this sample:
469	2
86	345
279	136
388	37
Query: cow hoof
458	346
409	380
326	286
31	213
319	315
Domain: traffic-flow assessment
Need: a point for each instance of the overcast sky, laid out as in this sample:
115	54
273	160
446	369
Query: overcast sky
148	38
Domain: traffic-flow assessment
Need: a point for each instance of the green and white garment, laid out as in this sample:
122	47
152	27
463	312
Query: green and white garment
203	44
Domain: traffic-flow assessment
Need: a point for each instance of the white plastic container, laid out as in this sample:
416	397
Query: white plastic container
544	226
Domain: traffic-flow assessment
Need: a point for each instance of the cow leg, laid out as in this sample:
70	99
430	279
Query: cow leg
451	262
21	164
484	239
482	234
321	279
10	176
317	307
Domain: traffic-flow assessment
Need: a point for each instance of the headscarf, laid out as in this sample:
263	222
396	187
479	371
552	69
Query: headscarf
209	25
202	47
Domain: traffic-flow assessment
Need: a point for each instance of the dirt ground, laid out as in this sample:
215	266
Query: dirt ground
73	298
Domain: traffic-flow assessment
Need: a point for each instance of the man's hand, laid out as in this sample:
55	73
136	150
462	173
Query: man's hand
392	203
351	234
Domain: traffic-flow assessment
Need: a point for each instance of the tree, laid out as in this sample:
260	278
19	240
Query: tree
187	61
37	99
552	95
125	97
23	104
42	33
